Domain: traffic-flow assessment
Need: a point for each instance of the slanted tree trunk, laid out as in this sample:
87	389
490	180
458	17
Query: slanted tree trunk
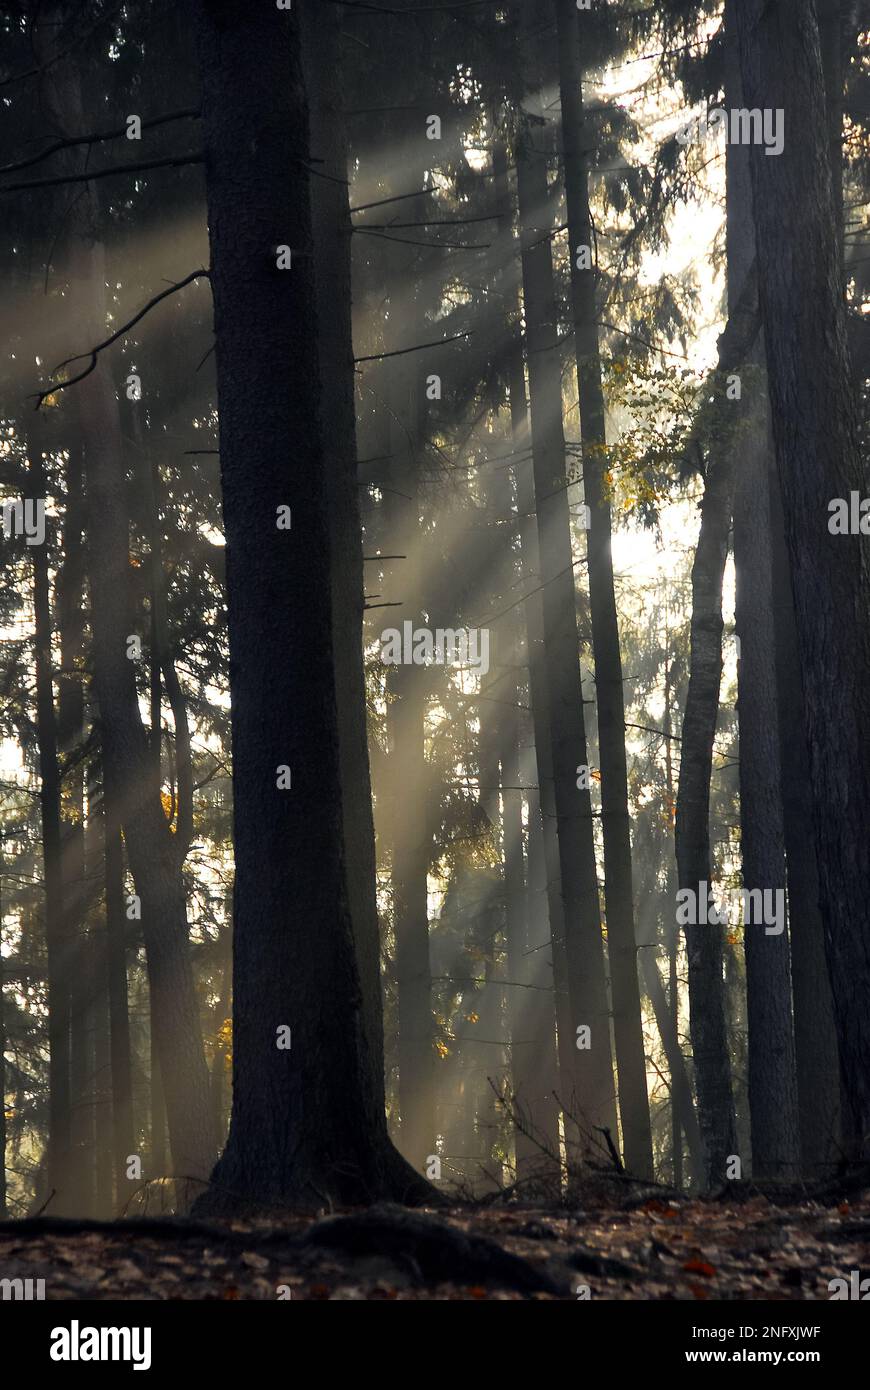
307	1122
588	1003
609	686
771	1080
818	457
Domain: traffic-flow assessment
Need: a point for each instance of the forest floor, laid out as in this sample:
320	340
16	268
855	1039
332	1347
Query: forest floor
641	1248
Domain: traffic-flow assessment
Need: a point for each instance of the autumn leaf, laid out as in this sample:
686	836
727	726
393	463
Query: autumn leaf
700	1267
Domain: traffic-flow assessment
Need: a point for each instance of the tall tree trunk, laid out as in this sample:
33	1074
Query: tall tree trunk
116	969
818	457
584	946
330	210
609	687
4	1206
704	942
673	936
57	943
545	917
84	977
771	1072
408	812
306	1118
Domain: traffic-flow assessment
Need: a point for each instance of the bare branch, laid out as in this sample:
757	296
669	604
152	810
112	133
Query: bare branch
401	352
75	140
119	333
172	162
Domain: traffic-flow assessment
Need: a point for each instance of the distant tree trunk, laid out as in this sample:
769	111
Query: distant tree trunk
544	913
704	942
4	1206
818	456
771	1074
330	209
408	812
306	1119
609	685
84	977
588	1003
116	969
673	936
57	943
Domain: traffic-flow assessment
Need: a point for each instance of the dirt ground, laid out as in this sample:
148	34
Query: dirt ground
640	1248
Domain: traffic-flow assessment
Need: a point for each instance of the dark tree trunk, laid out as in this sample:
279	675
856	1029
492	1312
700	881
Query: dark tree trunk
818	457
771	1075
816	1054
704	943
306	1119
330	210
588	1003
116	969
609	686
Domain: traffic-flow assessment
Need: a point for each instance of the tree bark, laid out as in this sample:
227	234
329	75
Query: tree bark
573	808
771	1079
818	458
330	208
609	685
306	1120
57	942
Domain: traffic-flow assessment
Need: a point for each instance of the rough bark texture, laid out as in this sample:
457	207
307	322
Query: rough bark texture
306	1122
609	685
816	1053
818	457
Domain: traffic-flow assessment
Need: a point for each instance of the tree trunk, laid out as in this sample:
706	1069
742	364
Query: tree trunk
330	210
818	457
57	942
692	829
588	1003
771	1074
84	977
544	914
116	969
609	686
816	1054
306	1121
